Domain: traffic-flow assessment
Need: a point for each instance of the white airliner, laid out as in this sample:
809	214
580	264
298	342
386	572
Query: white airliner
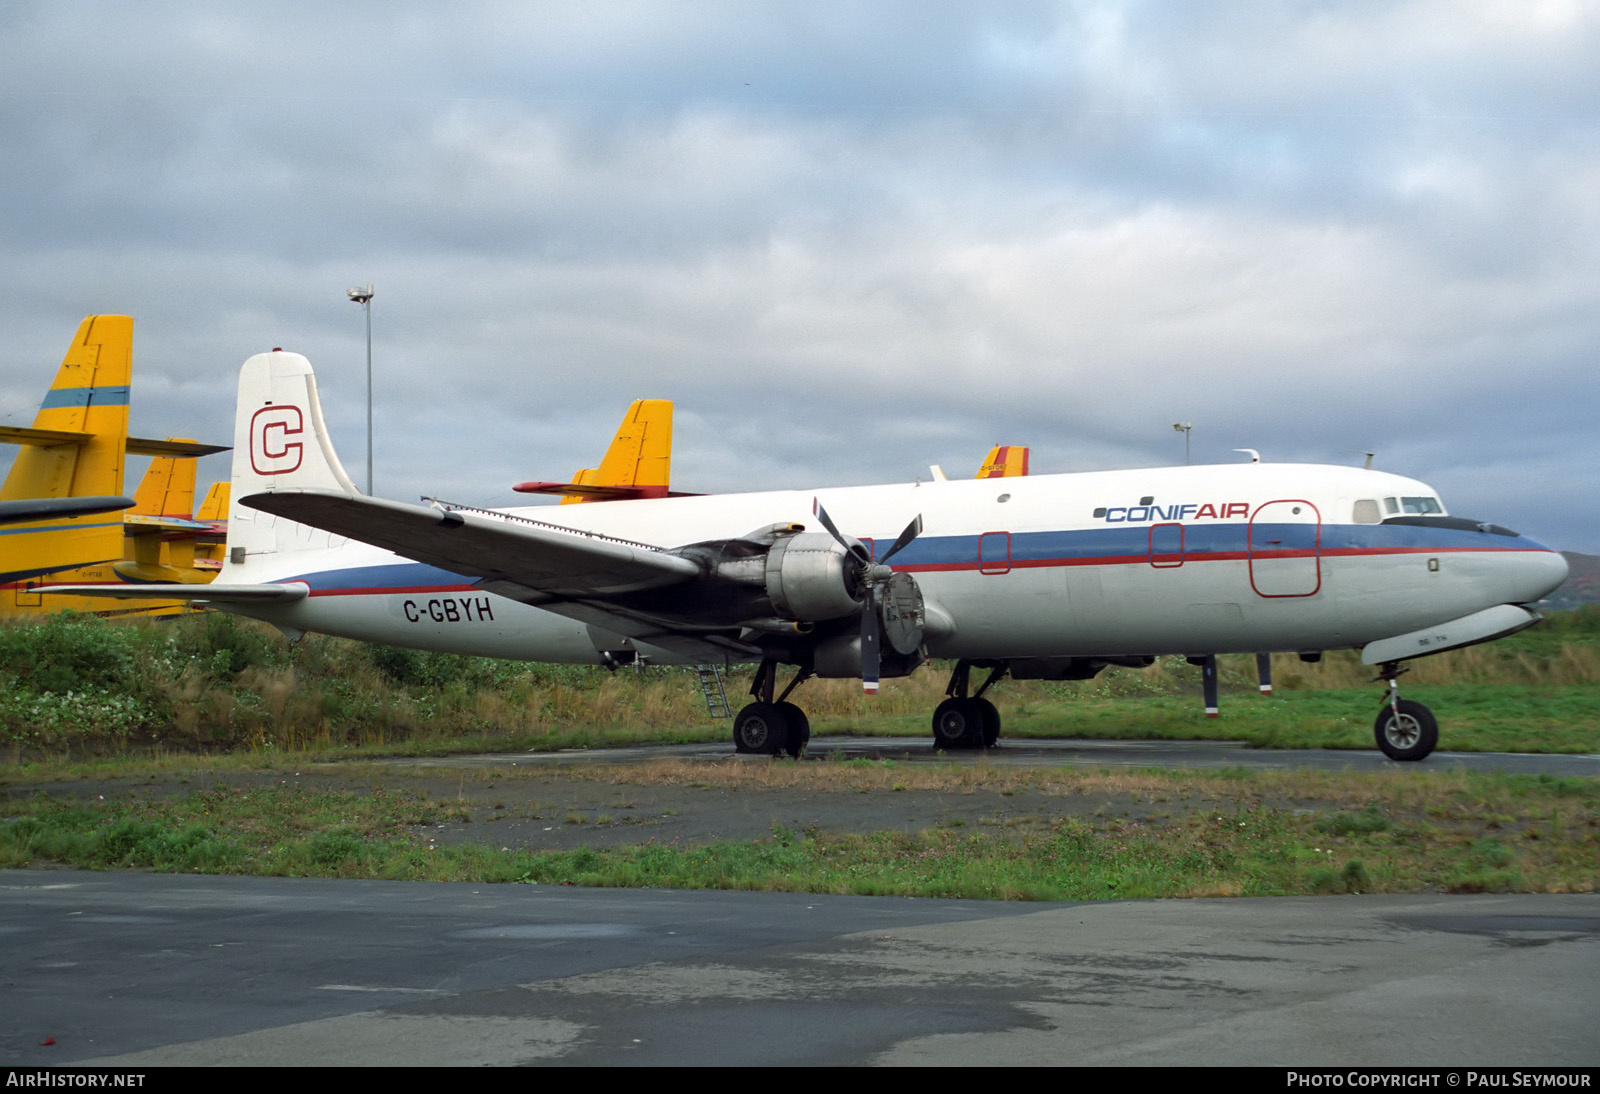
1042	577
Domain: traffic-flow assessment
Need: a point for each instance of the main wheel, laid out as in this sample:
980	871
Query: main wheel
1407	734
991	721
799	728
958	723
761	728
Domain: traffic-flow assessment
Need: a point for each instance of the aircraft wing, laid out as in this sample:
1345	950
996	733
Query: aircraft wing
547	560
585	576
200	594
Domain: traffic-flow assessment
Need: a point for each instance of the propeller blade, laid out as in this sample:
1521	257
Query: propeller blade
852	545
869	644
913	530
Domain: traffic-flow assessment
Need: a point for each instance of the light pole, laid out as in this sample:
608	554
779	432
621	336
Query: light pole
1181	427
364	298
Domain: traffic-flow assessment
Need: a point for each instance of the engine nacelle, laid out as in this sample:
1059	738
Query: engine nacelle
811	576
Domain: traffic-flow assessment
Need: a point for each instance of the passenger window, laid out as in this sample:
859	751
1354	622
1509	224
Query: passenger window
1366	512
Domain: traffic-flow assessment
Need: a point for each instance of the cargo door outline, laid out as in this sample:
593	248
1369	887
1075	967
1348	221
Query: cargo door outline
1166	546
994	553
1285	549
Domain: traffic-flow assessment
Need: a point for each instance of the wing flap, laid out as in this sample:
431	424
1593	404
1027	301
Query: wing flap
212	593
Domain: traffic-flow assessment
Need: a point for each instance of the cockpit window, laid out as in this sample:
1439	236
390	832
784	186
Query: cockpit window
1366	512
1421	507
1391	506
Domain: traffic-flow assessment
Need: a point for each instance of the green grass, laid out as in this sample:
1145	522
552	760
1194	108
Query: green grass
74	687
1282	833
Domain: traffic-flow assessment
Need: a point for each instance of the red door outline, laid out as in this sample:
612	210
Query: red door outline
1284	568
994	554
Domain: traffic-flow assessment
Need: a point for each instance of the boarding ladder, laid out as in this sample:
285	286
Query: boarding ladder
711	687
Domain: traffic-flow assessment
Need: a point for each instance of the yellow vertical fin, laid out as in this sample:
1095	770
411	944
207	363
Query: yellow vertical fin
167	489
215	505
1003	462
89	395
90	398
640	454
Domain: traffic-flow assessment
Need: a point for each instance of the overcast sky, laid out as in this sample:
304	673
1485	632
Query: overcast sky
848	239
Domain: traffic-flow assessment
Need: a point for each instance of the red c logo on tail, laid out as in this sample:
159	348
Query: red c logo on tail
271	453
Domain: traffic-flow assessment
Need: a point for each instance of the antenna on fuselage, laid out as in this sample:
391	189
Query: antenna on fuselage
1255	457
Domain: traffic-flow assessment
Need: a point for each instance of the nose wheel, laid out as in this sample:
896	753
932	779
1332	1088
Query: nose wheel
1405	730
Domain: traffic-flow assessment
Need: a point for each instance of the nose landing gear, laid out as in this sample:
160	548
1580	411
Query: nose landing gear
1405	729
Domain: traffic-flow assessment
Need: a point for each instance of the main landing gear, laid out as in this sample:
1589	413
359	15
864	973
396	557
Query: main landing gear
963	722
767	727
1405	730
773	726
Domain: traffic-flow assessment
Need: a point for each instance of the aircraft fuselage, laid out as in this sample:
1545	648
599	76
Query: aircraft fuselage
1188	560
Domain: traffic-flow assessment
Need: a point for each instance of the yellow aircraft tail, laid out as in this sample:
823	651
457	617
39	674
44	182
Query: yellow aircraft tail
213	511
74	448
1003	462
215	507
167	489
638	464
89	396
165	494
640	455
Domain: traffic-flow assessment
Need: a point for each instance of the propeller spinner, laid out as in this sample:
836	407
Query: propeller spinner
889	598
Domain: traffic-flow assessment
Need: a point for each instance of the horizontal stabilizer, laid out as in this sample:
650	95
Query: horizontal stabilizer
137	525
213	593
548	561
137	446
595	493
12	512
600	493
42	438
147	446
1469	630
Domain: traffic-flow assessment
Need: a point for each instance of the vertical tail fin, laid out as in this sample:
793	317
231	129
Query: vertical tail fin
89	396
213	510
280	442
640	454
215	506
167	489
1003	462
75	448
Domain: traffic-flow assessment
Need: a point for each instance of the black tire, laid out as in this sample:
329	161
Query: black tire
991	721
1411	735
762	729
957	724
799	728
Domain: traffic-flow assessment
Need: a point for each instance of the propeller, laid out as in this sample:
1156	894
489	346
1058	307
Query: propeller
875	576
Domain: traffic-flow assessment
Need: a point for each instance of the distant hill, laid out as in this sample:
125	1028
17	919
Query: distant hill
1582	585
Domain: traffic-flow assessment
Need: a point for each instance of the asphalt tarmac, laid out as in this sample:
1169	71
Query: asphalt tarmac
138	970
1079	753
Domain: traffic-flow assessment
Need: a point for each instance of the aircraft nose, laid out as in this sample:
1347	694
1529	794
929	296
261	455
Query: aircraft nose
1535	574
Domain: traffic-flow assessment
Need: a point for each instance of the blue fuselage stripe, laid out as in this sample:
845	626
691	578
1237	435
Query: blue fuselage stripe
1065	548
